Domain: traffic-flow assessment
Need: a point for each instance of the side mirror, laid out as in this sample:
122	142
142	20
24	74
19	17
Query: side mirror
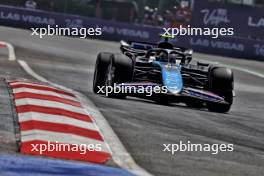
188	52
123	43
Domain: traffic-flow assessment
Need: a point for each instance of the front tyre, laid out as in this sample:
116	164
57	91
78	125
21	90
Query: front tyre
119	70
100	71
221	82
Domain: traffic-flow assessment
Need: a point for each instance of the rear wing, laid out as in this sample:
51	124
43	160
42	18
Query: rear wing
142	48
145	46
138	45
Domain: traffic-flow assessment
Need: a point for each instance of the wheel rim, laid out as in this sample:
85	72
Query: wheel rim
110	75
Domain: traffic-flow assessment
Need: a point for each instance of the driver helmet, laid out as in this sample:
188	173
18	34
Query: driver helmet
162	56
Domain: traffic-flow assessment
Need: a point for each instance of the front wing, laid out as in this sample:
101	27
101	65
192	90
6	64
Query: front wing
187	92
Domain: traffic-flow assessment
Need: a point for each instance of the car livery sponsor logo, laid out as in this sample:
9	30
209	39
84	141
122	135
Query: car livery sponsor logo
215	16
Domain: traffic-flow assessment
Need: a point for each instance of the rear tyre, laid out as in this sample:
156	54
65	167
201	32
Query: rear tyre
100	71
221	82
119	70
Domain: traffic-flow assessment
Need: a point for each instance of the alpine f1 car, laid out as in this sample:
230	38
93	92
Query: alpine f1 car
194	83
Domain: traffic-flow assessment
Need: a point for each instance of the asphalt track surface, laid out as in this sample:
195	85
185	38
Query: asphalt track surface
144	126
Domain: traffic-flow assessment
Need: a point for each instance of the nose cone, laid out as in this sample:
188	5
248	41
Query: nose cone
172	79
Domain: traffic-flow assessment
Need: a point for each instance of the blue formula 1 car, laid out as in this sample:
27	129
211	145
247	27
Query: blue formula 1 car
171	68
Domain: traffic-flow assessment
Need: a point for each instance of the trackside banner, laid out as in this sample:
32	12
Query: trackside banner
246	20
26	18
226	46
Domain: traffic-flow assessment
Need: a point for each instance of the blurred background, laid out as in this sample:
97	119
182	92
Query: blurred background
149	12
144	19
141	125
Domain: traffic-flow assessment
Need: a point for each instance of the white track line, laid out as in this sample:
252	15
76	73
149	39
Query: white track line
119	154
11	51
244	70
25	66
233	67
12	57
